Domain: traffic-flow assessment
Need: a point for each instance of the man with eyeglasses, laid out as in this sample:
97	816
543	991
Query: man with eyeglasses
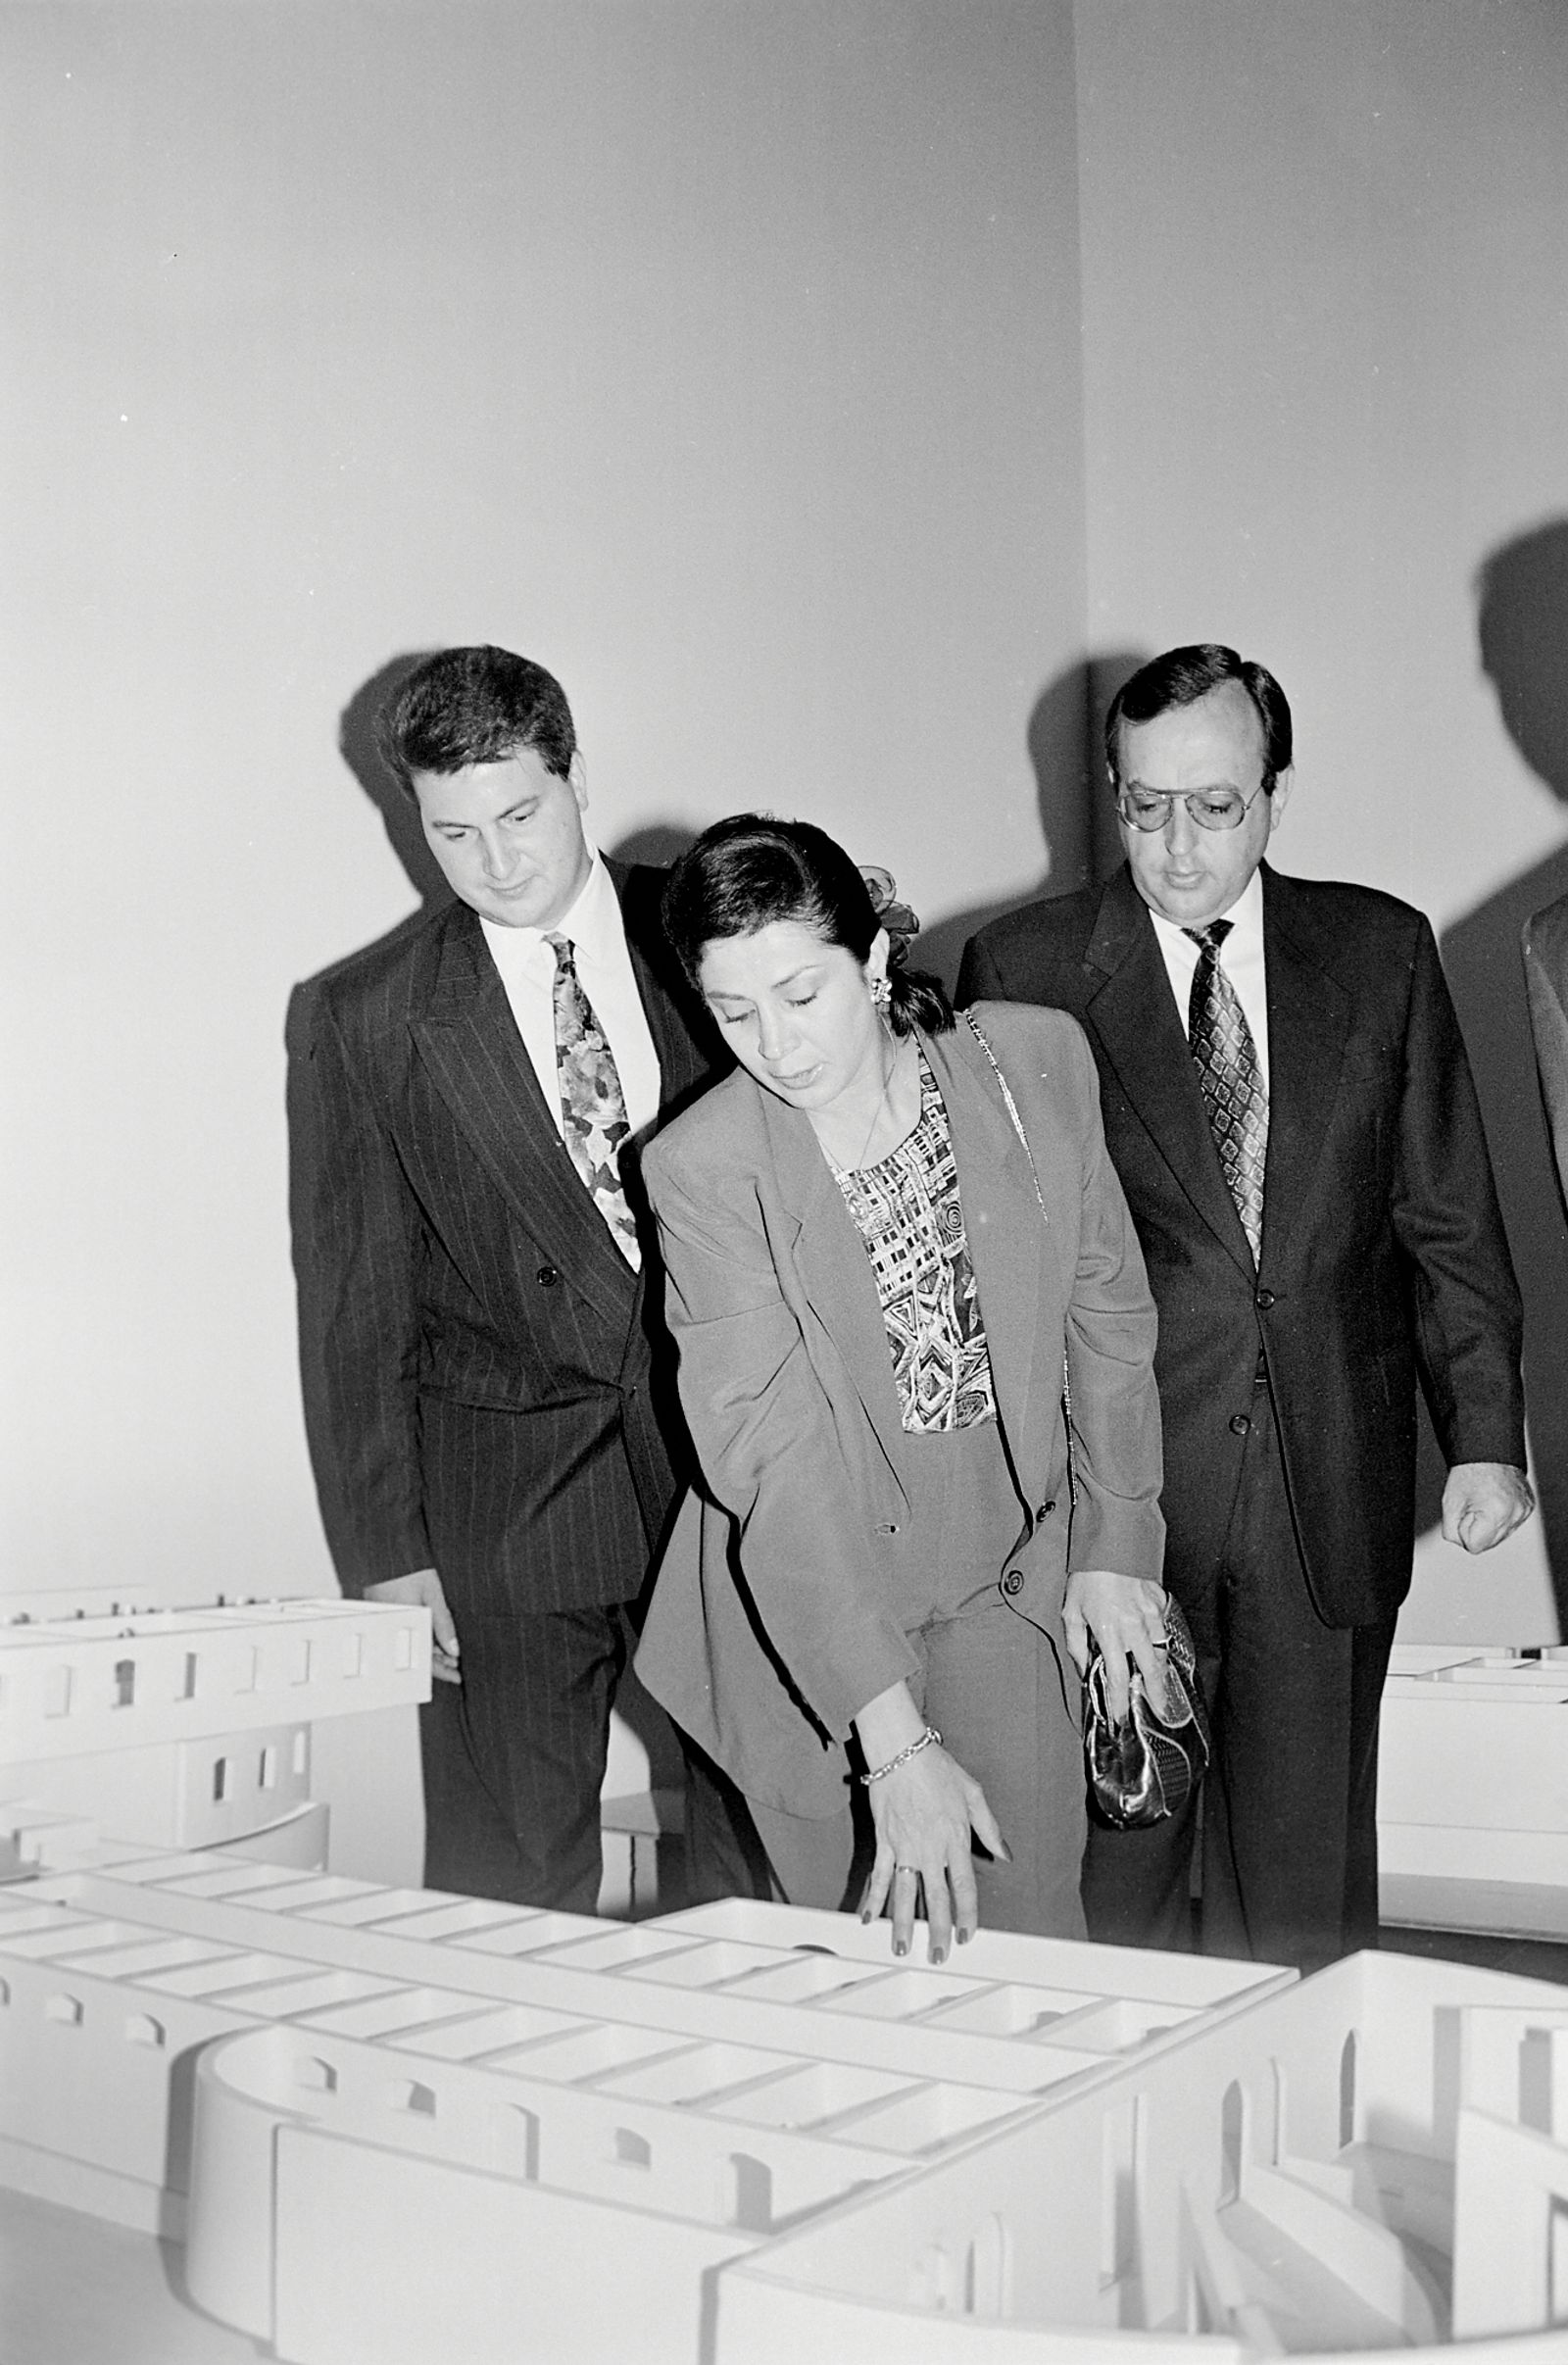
1288	1103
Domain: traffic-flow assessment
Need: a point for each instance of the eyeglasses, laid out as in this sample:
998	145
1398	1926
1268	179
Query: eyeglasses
1150	808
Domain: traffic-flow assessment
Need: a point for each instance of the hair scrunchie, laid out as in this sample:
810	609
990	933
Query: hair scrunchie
901	922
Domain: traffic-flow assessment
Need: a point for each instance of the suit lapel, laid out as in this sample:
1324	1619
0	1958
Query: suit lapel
470	1043
834	1271
1133	1011
1308	1021
1002	1221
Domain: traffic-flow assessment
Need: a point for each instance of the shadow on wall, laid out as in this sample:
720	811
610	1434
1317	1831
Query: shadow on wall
1077	820
658	843
360	747
1523	623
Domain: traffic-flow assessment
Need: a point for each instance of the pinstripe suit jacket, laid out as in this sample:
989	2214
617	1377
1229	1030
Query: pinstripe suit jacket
491	1398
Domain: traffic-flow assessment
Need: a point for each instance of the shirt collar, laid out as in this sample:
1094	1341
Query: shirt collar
591	922
1246	916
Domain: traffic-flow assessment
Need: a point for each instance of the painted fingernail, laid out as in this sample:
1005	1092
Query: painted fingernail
899	1947
865	1913
939	1955
965	1937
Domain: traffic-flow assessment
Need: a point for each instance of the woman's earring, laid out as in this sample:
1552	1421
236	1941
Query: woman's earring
881	995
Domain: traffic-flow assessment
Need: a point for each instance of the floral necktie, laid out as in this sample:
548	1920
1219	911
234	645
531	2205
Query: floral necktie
1231	1079
593	1107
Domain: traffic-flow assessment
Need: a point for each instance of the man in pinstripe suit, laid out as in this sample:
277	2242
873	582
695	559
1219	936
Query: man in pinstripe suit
498	1437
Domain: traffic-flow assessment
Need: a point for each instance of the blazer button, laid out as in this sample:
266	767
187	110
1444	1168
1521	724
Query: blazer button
1045	1510
1263	1300
1012	1582
1239	1424
547	1277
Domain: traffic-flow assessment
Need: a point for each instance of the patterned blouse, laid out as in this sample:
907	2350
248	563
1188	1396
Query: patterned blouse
907	1212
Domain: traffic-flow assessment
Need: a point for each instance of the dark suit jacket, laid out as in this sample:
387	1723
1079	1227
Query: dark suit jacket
776	1614
1384	1254
492	1401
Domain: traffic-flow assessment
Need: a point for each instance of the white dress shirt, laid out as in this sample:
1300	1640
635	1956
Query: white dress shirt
1241	956
527	966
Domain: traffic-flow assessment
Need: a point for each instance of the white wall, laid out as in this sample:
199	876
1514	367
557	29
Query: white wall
722	357
1326	346
726	356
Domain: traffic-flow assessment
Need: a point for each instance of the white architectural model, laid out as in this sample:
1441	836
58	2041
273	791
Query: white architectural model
1376	2158
395	2126
192	1728
1473	1789
427	2128
188	1728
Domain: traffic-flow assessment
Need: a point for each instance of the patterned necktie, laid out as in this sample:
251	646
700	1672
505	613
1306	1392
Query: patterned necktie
1231	1079
593	1107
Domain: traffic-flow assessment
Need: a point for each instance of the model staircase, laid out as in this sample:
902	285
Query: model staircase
1323	2271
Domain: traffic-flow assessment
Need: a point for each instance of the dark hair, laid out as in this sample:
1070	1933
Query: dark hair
750	870
476	705
1181	676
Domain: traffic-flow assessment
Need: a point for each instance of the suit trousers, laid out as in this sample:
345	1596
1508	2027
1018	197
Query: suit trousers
993	1685
513	1758
1289	1808
998	1688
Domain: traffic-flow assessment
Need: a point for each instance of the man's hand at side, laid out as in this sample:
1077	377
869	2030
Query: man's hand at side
1482	1502
422	1587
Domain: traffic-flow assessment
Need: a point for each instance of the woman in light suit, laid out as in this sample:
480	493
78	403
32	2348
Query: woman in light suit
883	1234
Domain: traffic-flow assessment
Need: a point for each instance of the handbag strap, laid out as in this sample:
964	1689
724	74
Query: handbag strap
1006	1088
978	1033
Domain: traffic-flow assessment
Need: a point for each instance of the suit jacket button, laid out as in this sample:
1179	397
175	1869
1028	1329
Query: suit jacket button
1012	1582
1264	1300
1239	1424
1045	1509
547	1277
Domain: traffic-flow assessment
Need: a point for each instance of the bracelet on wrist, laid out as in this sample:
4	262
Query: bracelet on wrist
928	1738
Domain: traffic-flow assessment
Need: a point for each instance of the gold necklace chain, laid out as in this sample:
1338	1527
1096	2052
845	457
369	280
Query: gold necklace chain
876	1114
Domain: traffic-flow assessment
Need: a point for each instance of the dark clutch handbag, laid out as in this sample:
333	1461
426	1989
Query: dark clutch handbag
1147	1766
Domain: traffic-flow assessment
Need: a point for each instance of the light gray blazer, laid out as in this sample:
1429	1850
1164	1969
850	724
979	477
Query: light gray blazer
775	1614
